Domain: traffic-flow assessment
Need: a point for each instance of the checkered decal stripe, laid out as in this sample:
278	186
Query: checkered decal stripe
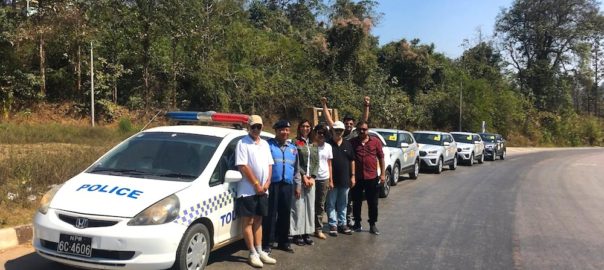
206	207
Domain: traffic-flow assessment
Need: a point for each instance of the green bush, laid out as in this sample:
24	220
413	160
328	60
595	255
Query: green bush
125	126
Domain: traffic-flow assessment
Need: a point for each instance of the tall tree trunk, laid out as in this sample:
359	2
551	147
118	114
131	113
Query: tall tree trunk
596	83
42	53
146	59
79	71
172	95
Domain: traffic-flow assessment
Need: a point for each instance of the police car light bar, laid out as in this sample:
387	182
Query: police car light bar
209	116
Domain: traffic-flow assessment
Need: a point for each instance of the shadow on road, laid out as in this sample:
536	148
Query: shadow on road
227	254
33	261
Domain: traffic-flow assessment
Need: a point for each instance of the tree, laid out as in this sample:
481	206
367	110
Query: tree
539	36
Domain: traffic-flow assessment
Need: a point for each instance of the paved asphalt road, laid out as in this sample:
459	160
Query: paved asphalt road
534	210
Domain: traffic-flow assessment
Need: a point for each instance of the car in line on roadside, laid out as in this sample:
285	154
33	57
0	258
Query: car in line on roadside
470	147
436	149
494	145
163	198
404	153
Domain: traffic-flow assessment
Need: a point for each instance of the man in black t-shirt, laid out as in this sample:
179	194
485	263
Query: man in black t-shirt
343	180
348	134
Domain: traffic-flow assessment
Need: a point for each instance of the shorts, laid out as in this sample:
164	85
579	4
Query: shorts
249	206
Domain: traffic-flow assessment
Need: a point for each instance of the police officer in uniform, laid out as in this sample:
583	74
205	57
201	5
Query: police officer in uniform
281	190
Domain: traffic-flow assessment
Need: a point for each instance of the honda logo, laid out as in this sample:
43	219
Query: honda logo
81	223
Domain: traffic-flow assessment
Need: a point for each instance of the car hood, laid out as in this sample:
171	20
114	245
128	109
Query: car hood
462	145
107	195
429	147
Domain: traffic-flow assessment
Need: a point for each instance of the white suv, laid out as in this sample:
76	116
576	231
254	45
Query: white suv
385	188
470	147
162	198
436	149
404	152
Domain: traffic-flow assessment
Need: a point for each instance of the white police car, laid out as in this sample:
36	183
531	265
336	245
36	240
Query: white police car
162	198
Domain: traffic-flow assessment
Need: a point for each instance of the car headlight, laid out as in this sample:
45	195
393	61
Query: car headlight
433	152
161	212
47	198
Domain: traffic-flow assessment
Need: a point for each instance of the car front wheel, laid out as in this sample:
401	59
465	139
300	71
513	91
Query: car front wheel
194	249
471	162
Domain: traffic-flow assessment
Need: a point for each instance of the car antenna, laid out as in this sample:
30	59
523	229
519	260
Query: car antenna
153	118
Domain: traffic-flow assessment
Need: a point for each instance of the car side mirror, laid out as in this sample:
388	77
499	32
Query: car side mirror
404	145
232	176
446	143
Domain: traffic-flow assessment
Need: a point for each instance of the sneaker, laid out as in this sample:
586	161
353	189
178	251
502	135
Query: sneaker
333	231
320	235
345	230
307	240
266	259
298	240
373	229
357	227
255	261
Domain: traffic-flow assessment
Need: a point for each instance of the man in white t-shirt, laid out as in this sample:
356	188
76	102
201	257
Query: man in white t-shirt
254	160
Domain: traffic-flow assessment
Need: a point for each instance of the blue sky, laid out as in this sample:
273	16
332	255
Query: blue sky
446	23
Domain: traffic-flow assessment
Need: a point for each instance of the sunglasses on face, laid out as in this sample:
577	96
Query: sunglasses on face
338	130
257	126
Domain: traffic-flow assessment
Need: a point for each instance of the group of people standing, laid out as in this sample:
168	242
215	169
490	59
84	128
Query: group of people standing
289	185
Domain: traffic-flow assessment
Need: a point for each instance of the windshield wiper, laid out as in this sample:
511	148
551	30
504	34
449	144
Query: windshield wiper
178	175
120	171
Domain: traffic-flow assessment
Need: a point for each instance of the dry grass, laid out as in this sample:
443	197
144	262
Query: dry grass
35	157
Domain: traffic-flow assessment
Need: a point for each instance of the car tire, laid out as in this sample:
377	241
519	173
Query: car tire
194	249
454	165
439	166
494	156
502	157
481	160
471	161
385	188
396	174
413	174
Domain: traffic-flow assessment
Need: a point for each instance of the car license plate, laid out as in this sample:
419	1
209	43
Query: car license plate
75	245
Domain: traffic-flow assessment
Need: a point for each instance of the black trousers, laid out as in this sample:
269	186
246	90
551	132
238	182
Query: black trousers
371	189
275	226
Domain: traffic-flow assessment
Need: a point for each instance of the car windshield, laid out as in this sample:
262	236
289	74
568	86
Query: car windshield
463	138
159	155
428	138
390	137
488	137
